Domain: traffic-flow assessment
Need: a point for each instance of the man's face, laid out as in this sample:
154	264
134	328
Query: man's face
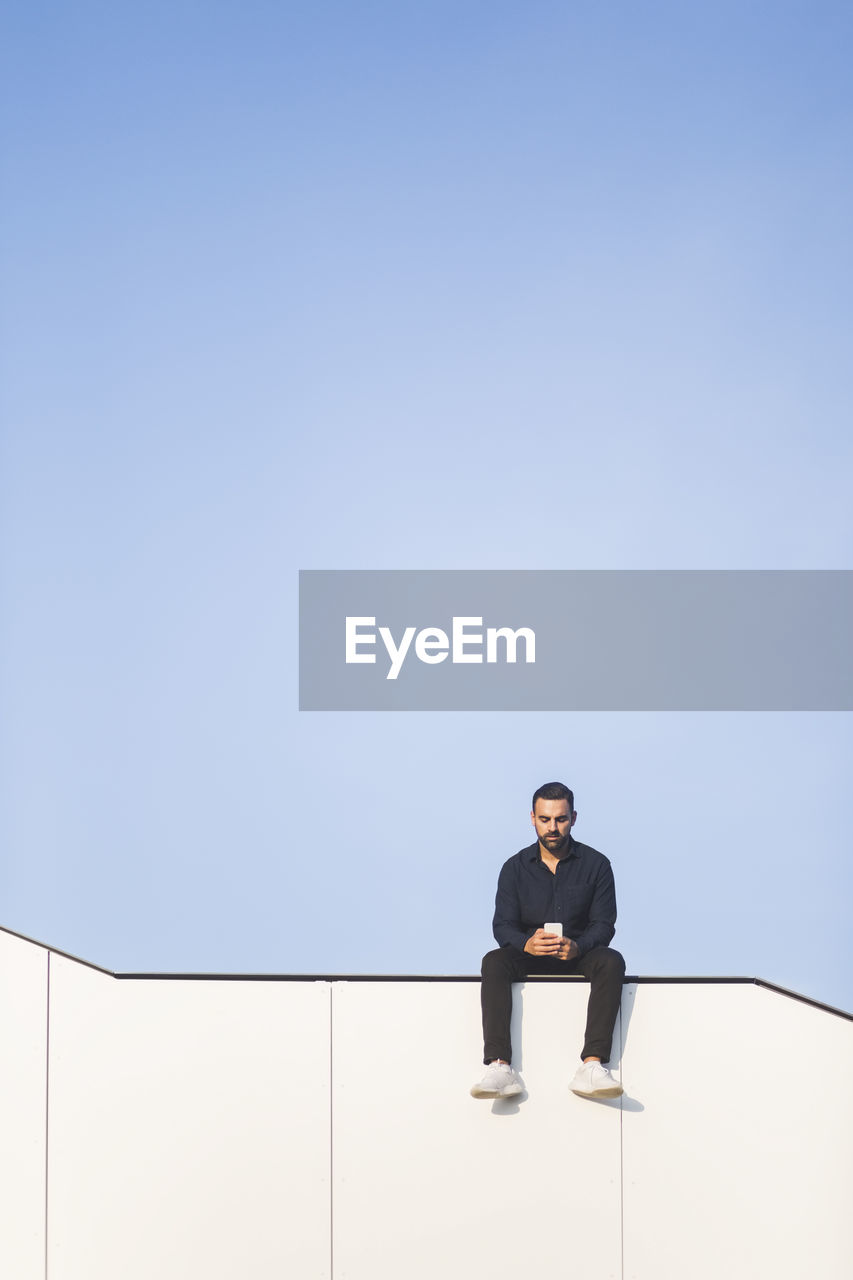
553	820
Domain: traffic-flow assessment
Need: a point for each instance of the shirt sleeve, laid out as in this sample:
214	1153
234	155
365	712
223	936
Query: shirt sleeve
602	912
506	924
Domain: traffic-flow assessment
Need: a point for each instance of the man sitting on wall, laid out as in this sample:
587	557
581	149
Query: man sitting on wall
554	882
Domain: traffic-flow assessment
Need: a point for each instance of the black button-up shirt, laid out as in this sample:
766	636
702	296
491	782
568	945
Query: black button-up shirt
580	894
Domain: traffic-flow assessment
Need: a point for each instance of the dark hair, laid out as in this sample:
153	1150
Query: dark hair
554	791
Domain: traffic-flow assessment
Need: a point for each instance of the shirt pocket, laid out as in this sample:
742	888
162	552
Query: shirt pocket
576	900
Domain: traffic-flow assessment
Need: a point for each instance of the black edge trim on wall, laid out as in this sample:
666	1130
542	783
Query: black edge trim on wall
423	977
56	951
458	977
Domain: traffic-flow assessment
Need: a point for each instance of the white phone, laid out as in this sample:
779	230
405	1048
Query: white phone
554	928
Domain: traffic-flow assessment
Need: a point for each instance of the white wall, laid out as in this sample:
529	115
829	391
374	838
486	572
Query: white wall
23	1084
429	1181
189	1128
256	1129
739	1163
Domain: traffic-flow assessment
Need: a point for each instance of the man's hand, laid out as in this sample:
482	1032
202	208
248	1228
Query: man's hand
550	944
568	949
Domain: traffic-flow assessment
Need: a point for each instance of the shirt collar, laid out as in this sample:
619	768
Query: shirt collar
533	854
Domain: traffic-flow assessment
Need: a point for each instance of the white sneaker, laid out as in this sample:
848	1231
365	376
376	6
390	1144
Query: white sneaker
500	1081
592	1080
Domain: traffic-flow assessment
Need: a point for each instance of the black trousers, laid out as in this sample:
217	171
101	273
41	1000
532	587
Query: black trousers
604	968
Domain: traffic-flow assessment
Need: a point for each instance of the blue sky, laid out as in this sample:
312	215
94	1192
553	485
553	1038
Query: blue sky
395	286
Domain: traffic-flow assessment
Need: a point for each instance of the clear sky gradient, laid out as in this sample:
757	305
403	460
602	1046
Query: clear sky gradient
380	285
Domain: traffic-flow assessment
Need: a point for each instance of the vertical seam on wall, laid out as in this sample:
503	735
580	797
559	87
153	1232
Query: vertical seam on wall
621	1152
46	1115
331	1138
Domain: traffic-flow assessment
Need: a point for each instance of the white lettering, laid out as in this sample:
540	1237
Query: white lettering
354	639
511	638
461	638
396	655
431	644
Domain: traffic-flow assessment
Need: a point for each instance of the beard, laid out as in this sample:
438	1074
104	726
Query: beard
555	841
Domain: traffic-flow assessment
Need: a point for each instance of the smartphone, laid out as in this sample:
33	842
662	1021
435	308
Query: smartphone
554	928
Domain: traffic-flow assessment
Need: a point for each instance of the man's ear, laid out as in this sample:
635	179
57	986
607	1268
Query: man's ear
532	818
574	820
